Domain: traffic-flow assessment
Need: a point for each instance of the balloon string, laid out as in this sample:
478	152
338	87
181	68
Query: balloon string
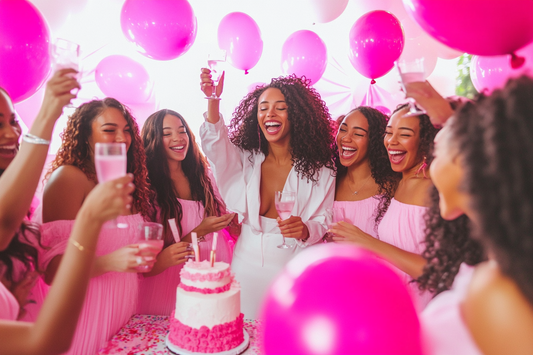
516	61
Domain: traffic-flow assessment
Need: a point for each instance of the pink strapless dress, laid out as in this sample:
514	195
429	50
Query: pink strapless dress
403	226
9	307
111	298
443	329
157	293
360	213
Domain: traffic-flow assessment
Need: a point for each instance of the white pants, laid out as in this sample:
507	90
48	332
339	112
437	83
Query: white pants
257	261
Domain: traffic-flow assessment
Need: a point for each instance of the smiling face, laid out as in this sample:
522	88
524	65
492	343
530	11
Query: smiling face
272	116
110	127
352	139
175	139
402	140
9	131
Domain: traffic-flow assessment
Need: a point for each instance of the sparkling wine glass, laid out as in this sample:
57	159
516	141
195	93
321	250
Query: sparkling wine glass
215	61
411	71
110	162
284	203
333	215
150	241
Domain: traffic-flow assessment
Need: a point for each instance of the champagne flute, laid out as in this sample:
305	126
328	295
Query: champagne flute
150	241
215	61
284	201
66	55
333	215
110	162
411	71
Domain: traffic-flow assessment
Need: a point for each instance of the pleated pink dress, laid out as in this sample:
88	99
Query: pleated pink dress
111	298
360	213
157	294
403	226
443	329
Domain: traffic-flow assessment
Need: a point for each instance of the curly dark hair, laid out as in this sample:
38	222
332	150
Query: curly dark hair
493	138
75	150
194	167
448	244
312	131
21	248
378	157
427	135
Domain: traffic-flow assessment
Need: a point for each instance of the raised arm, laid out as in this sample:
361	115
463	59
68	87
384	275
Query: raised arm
437	107
19	181
53	331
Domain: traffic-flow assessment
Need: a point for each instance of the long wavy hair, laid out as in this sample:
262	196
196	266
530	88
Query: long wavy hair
194	167
312	131
75	150
448	244
493	138
378	158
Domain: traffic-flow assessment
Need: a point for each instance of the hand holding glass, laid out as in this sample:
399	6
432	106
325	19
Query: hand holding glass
411	71
284	203
215	61
150	242
333	215
110	162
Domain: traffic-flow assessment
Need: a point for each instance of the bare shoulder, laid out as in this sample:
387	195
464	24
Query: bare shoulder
64	193
414	191
498	315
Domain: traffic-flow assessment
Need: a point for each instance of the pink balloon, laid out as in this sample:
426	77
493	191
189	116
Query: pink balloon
161	29
24	49
240	36
326	10
123	79
339	299
420	47
29	108
475	26
491	73
304	53
376	41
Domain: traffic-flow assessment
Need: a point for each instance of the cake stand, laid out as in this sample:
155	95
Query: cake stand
235	351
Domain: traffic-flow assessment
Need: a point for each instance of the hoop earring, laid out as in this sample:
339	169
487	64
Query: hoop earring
422	168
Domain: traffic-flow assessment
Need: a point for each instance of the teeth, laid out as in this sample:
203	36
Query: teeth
12	146
272	124
394	152
348	148
178	148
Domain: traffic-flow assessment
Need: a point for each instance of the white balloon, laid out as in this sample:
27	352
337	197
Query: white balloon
420	47
323	11
57	12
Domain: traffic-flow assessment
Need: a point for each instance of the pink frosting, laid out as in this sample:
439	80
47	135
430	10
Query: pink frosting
205	290
222	337
216	276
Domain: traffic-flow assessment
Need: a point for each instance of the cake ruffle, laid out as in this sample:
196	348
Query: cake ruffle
205	291
216	276
222	337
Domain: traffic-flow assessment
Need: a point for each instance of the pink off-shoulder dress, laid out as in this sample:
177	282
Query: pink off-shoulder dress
360	213
111	298
157	294
403	226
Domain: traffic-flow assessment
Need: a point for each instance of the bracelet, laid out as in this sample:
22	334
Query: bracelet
30	138
79	246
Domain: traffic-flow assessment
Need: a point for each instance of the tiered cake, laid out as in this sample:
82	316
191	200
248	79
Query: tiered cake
208	316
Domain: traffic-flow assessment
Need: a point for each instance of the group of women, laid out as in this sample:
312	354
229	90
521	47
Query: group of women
454	221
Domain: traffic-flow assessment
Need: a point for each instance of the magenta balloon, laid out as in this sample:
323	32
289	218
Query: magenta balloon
24	49
376	41
476	26
304	53
491	73
161	29
339	299
124	79
240	36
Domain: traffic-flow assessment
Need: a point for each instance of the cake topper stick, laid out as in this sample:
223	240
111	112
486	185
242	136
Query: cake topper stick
214	248
195	246
174	229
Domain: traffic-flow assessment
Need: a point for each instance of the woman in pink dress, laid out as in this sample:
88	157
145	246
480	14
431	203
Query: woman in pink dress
401	232
186	192
365	181
112	294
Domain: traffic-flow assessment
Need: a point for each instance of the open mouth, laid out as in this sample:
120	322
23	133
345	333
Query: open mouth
348	152
8	150
272	127
178	148
396	156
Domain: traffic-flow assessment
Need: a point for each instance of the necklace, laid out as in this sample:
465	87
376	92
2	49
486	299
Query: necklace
357	191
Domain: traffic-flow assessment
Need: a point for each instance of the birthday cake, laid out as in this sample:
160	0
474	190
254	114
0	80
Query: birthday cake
208	317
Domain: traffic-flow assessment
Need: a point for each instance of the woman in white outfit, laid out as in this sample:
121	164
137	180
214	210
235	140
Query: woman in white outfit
279	139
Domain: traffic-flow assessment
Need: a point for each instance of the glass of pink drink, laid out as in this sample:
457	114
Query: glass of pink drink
411	71
284	204
110	162
150	242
